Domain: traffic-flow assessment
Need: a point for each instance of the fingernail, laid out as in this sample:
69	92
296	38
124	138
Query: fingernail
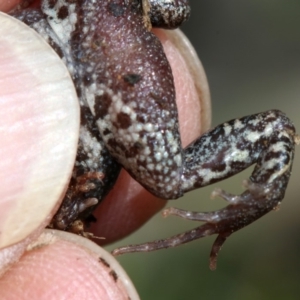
39	125
190	64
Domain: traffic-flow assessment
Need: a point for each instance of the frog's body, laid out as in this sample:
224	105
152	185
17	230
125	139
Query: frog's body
129	118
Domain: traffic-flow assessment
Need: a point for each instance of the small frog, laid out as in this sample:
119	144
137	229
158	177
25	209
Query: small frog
129	119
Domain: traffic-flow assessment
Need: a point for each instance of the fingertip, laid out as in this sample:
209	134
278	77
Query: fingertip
191	85
60	265
39	121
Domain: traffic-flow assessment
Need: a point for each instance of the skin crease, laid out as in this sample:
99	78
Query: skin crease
125	198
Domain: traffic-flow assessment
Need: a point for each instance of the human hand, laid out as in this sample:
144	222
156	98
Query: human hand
46	270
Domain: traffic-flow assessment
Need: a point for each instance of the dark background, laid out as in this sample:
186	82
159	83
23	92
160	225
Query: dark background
251	53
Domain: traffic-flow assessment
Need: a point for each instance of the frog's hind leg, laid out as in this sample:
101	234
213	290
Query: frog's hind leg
267	139
241	211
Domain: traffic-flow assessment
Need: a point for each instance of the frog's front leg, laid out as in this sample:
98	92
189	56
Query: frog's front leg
267	139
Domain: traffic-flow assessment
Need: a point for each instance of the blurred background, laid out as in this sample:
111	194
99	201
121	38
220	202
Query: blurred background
251	53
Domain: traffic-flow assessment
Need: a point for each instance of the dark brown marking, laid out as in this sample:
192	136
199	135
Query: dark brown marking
51	3
273	155
87	79
138	145
154	95
118	146
114	275
237	165
104	262
63	13
198	183
141	119
102	104
76	37
116	9
217	164
132	79
123	120
134	151
106	132
161	101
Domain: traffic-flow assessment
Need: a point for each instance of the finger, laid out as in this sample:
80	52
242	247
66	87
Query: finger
56	267
7	5
38	139
39	120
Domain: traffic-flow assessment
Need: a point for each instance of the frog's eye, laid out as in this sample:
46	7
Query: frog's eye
168	14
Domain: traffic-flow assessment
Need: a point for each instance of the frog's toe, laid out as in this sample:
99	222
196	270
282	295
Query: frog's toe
242	210
217	192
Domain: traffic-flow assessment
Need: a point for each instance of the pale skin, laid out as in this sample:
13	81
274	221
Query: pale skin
125	198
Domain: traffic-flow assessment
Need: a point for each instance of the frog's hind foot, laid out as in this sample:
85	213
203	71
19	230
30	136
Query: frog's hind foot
242	210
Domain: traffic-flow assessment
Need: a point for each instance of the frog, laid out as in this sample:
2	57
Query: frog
129	120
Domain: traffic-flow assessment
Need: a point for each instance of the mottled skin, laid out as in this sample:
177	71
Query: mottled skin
129	119
267	139
168	14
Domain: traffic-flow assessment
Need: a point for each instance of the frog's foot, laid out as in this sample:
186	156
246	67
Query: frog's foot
79	200
78	227
242	210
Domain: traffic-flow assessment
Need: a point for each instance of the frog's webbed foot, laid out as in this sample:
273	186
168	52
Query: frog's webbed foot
241	211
